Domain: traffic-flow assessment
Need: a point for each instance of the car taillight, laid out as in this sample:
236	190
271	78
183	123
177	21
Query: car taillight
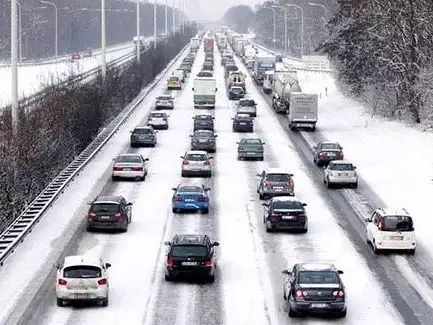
207	163
102	282
341	155
301	216
91	216
185	162
178	199
137	169
62	282
203	199
170	262
260	149
289	183
301	293
268	184
322	154
208	263
381	224
275	216
338	293
116	169
120	216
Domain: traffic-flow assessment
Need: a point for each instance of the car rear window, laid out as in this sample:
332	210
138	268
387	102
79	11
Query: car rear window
128	159
330	146
341	167
105	207
243	117
397	223
82	272
290	205
190	189
252	142
143	131
195	157
247	103
174	78
188	250
203	133
237	90
157	114
203	117
317	277
164	98
277	177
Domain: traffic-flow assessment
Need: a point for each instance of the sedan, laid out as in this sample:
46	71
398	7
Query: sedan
243	123
247	106
205	73
236	92
196	163
158	120
285	213
203	140
325	152
340	172
129	165
250	148
203	122
143	136
164	102
190	197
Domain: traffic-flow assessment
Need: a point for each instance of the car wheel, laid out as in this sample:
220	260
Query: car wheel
342	314
60	302
292	313
355	185
89	229
262	158
184	174
375	249
411	252
114	178
328	184
261	196
153	145
211	278
269	227
304	231
142	178
204	211
168	277
174	210
209	174
105	302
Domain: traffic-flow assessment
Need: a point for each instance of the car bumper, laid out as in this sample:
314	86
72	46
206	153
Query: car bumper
166	106
204	105
195	271
82	295
232	96
243	128
250	154
143	142
203	146
107	225
395	244
318	307
190	205
128	174
342	180
289	225
158	126
278	192
196	172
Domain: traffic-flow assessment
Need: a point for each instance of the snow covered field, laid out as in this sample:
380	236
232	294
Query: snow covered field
248	287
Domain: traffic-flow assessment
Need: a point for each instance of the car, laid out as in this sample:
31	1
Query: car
314	288
174	82
164	102
203	140
236	92
285	213
75	56
143	136
250	148
190	197
158	120
325	152
82	279
275	182
340	172
196	163
203	122
109	213
205	74
247	106
243	123
186	67
129	165
192	255
391	229
180	73
207	66
230	66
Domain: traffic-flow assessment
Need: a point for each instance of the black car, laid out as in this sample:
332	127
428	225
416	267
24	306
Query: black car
229	67
109	213
203	122
203	140
192	255
236	92
325	152
207	74
207	66
143	136
314	288
243	123
285	213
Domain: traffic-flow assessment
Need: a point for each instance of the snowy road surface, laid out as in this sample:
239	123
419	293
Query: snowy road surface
248	287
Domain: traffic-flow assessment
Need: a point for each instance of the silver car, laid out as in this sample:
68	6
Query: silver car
275	182
158	120
164	102
129	165
203	140
247	106
143	136
196	163
340	172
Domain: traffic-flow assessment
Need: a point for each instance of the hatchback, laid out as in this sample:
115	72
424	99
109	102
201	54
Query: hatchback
164	102
340	172
158	120
196	163
285	213
325	152
109	213
143	136
275	182
203	122
243	123
203	140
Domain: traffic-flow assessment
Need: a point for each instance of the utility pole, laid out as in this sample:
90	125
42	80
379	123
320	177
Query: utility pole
166	19
103	43
14	66
173	16
138	44
154	24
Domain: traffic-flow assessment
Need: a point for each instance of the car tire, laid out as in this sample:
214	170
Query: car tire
261	158
355	185
114	178
89	229
168	278
174	210
211	278
411	251
183	174
269	228
342	314
142	178
375	249
204	211
60	302
261	196
292	313
105	302
209	175
304	231
328	184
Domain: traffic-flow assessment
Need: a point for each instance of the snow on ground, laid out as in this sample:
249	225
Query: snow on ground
33	78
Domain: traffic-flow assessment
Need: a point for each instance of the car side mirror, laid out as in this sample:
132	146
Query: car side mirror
190	135
129	204
207	189
210	157
354	167
107	265
146	159
265	204
340	272
182	157
167	243
57	266
315	147
304	204
173	188
367	220
216	135
237	142
258	175
287	272
192	89
89	203
215	243
263	142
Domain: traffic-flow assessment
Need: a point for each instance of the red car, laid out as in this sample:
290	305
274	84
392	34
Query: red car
76	56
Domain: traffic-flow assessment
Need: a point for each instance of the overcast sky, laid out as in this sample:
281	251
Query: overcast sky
215	9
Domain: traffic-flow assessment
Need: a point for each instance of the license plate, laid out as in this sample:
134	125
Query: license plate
343	174
288	217
105	217
189	200
318	305
243	123
396	237
126	169
189	263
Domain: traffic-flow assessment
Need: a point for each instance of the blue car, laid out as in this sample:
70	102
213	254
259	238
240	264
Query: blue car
190	197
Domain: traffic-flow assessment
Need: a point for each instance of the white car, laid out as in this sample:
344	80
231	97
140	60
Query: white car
247	106
81	278
391	229
196	163
129	165
164	102
158	120
340	172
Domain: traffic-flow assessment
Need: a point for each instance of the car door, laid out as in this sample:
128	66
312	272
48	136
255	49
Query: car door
372	227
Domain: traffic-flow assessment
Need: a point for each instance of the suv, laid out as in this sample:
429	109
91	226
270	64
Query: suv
391	229
273	182
203	122
143	136
203	140
325	152
243	123
314	288
109	212
340	172
197	163
286	213
82	278
191	255
247	106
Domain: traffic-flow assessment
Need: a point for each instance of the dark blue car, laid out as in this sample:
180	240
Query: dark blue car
191	198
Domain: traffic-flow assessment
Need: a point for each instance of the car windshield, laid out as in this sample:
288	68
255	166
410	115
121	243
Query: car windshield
190	189
143	131
237	90
397	223
253	142
105	207
128	159
243	117
287	205
157	115
317	277
277	177
164	98
330	146
203	134
82	272
188	250
347	167
248	102
195	157
174	78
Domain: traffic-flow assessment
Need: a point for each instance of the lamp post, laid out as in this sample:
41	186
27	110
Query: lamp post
313	4
138	45
103	43
154	24
55	23
166	19
302	25
273	12
14	66
173	16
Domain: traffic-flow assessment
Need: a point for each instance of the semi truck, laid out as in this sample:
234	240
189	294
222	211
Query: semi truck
303	111
261	65
284	85
204	92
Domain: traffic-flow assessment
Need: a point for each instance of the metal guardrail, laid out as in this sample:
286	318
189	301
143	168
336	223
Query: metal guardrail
22	226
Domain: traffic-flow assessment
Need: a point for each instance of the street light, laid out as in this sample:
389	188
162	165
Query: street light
14	67
138	45
166	19
103	43
321	6
154	24
55	23
273	12
302	25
